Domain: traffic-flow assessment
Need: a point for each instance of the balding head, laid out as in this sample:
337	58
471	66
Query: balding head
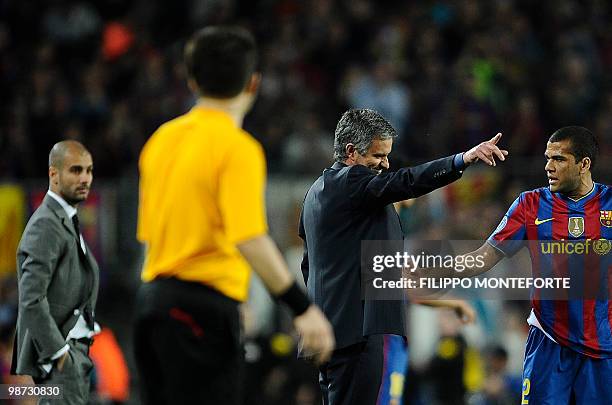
60	149
70	171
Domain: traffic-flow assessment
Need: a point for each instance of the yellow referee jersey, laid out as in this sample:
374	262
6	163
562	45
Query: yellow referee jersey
202	182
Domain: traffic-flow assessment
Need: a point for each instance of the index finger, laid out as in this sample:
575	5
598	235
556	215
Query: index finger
495	139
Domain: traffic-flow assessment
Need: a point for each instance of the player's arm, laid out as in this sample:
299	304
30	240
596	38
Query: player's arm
507	239
490	257
266	260
485	258
463	309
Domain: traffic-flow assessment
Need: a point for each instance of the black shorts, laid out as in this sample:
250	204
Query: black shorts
187	344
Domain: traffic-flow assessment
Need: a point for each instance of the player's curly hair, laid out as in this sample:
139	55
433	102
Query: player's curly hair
583	142
360	127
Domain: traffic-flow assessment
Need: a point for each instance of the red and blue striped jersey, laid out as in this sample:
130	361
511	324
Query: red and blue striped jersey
582	320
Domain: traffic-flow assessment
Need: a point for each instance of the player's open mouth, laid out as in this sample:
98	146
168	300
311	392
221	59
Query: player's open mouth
552	180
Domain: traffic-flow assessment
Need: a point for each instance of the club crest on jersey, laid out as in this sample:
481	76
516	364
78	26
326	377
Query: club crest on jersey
605	218
602	247
575	226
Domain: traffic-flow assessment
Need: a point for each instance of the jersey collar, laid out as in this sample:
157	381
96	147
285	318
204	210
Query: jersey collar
582	199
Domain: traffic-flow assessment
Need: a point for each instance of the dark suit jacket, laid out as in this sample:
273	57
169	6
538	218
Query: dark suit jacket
347	205
57	283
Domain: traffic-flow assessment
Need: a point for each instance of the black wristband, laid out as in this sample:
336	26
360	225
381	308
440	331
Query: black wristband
295	299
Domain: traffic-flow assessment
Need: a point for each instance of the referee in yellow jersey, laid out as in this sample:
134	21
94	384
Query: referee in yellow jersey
202	219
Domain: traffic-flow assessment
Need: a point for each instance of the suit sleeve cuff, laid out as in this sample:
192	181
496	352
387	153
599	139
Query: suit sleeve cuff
458	163
60	352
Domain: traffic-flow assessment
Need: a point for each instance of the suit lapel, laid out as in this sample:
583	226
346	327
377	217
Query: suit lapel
87	259
61	214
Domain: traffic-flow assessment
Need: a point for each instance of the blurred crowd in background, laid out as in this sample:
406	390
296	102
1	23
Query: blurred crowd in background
447	74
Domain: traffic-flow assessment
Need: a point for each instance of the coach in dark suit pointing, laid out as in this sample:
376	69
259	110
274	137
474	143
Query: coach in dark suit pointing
352	202
58	282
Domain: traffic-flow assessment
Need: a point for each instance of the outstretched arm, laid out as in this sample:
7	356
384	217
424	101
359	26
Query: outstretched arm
490	257
487	256
463	309
372	189
482	260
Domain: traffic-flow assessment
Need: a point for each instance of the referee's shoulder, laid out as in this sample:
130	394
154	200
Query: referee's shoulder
246	140
176	125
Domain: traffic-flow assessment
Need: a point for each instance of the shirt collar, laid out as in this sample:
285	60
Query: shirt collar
70	210
584	198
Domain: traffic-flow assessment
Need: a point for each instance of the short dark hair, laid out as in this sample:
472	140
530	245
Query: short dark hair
221	60
360	127
582	142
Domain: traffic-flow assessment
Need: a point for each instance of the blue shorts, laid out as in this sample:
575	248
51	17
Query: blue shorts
394	370
557	375
366	373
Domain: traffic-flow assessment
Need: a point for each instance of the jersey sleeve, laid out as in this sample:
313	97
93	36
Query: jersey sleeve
510	234
242	191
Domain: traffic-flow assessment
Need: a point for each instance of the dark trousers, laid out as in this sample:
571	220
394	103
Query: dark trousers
187	345
353	374
74	377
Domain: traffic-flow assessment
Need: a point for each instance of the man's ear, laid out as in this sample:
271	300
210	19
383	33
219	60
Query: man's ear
585	164
193	86
53	174
252	86
351	151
